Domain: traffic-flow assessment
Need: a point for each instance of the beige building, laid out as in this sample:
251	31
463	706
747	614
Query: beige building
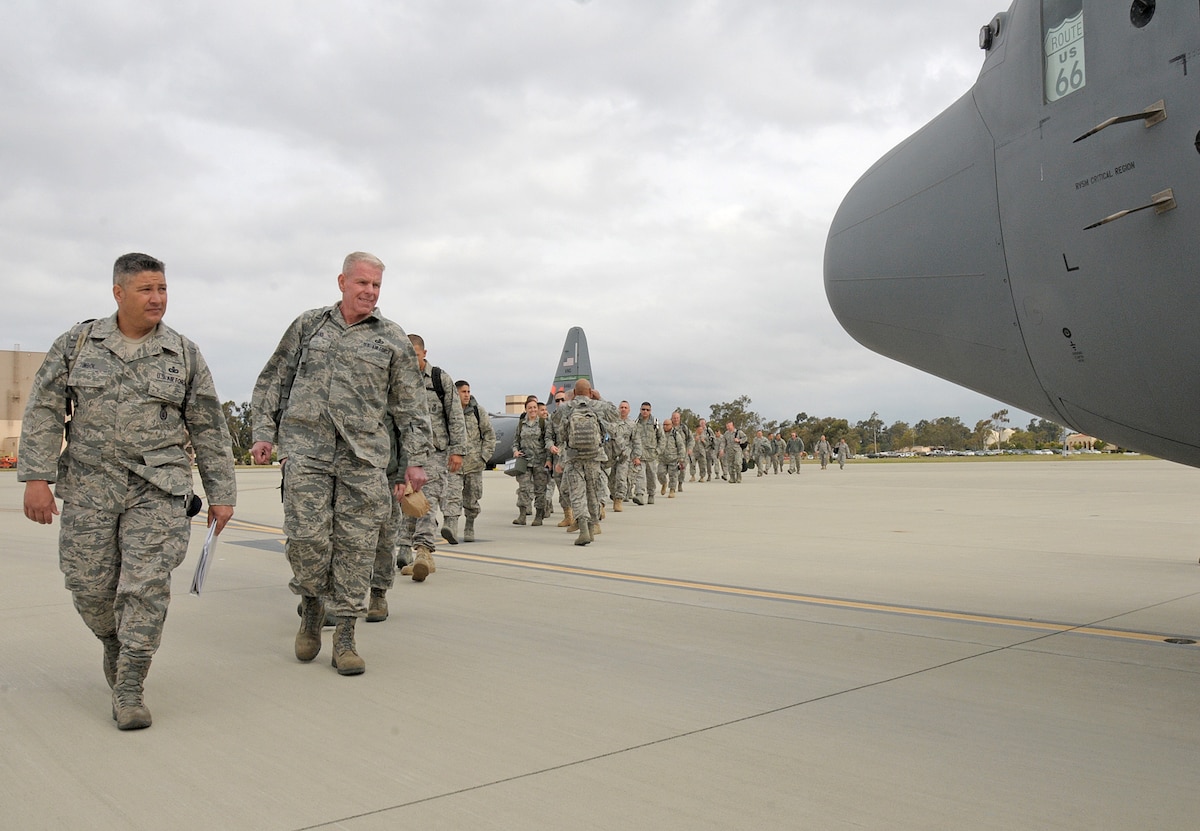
16	379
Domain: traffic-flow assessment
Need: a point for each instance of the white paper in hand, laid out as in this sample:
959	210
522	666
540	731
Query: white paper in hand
206	553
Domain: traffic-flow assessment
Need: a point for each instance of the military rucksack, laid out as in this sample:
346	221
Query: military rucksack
584	435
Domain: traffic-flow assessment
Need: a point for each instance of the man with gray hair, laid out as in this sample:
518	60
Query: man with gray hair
136	393
325	397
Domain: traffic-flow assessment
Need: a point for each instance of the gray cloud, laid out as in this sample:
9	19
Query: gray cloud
662	174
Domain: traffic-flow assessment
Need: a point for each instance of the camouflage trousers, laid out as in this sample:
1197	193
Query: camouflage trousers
452	493
531	489
618	478
581	479
700	462
795	463
669	474
118	566
472	492
426	531
714	463
644	479
733	464
383	573
332	515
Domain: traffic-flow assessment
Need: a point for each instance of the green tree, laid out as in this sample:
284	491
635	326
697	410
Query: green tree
900	436
738	411
237	416
999	419
948	432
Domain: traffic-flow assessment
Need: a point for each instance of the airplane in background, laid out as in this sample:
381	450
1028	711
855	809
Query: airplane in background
1039	241
573	364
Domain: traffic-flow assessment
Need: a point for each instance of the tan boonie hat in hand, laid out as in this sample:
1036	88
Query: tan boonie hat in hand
413	503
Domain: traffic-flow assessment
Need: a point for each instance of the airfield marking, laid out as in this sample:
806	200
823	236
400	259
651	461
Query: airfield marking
791	597
833	602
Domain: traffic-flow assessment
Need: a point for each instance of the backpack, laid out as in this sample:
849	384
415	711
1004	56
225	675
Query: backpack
583	433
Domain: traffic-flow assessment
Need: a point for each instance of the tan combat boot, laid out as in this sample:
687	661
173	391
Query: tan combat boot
522	513
128	709
594	527
671	495
617	506
345	656
568	519
422	565
377	609
308	639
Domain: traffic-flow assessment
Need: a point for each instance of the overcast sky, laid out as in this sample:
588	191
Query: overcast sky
662	173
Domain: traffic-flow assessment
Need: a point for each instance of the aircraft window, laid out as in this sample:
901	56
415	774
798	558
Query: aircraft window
1141	12
1062	39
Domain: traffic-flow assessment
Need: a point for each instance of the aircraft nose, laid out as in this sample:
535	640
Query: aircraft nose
914	261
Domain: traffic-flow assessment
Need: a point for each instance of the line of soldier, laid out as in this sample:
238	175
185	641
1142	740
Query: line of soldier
347	402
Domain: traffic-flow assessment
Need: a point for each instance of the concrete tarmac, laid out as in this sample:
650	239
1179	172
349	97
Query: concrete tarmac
980	645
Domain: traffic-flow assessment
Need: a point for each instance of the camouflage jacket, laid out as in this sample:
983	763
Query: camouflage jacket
606	414
481	437
625	441
445	413
730	441
532	439
327	380
130	416
647	435
672	445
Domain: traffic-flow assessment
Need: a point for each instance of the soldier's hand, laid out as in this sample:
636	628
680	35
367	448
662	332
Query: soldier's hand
39	502
415	477
260	453
455	463
220	514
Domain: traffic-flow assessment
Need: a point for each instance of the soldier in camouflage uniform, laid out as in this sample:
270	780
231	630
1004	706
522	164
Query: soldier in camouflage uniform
672	451
732	441
418	535
702	450
779	446
762	450
529	443
481	443
623	448
645	461
324	397
139	392
686	435
795	449
581	466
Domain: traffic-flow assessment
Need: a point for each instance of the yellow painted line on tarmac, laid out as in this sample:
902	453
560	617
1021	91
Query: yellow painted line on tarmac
831	602
737	591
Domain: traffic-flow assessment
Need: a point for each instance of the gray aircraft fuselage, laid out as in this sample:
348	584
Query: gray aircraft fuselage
1012	248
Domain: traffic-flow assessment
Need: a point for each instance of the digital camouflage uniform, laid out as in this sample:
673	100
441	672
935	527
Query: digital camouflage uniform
731	442
672	451
481	444
124	477
762	450
702	452
581	476
449	438
530	440
779	446
645	482
622	451
323	399
795	449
